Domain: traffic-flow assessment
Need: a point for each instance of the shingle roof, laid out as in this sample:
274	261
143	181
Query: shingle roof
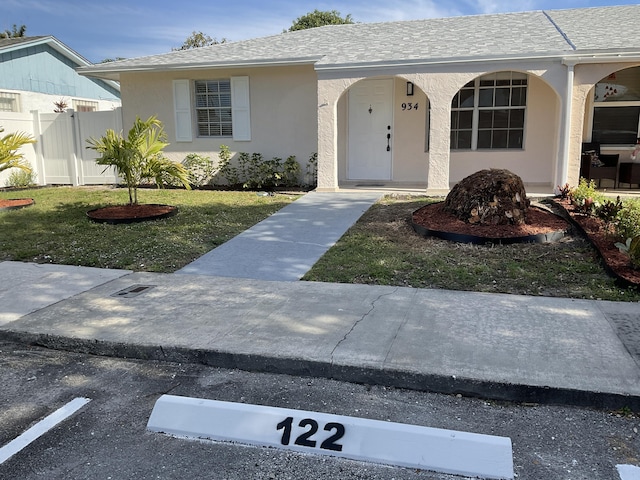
8	42
524	35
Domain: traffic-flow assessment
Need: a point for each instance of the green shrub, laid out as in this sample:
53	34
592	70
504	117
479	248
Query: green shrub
229	172
311	176
254	172
291	171
632	248
608	212
201	169
21	178
269	173
586	197
628	220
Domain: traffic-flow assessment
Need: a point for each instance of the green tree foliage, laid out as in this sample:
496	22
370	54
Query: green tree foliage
138	157
197	40
9	146
319	18
15	32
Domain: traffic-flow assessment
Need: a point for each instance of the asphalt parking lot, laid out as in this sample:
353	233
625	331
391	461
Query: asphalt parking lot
107	439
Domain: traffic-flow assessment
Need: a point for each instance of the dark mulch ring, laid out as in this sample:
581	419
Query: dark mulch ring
14	203
539	221
116	214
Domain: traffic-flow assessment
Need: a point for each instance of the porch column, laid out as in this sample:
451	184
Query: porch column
562	167
439	145
327	136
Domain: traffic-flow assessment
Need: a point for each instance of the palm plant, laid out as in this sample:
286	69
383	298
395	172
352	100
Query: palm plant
138	157
9	146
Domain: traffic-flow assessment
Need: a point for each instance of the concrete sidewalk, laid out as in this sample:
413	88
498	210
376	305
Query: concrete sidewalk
241	306
511	347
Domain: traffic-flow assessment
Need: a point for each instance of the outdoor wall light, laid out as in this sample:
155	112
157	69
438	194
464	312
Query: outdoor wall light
409	89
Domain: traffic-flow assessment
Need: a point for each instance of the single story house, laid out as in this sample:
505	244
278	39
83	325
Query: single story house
38	72
411	103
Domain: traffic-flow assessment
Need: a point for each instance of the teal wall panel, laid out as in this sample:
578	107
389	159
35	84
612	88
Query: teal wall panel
42	69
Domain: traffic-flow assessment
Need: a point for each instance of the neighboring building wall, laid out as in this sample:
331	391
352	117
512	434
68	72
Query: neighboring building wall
29	101
282	101
41	69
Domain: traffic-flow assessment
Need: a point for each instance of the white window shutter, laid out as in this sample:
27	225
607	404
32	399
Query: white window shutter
241	112
182	109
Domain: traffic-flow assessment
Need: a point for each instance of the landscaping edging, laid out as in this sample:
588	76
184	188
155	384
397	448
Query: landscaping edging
480	240
616	271
16	203
123	214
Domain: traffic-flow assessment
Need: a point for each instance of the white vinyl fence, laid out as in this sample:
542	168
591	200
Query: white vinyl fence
60	156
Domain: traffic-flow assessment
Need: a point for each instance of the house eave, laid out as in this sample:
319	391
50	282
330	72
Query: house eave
563	57
602	57
114	73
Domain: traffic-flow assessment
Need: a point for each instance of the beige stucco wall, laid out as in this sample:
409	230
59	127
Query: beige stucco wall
536	161
439	168
298	111
283	110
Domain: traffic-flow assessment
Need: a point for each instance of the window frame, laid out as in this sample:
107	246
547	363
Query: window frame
10	98
468	120
85	105
632	75
219	107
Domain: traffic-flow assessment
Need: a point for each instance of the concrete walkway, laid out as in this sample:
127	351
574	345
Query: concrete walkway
511	347
287	244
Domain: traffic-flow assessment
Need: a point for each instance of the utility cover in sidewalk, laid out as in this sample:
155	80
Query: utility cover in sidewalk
438	450
132	291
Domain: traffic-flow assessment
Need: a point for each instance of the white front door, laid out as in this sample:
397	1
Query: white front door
370	135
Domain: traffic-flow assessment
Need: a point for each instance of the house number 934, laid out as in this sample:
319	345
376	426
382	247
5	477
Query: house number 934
307	436
409	106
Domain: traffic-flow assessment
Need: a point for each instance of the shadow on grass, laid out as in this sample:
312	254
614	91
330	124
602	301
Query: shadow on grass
58	231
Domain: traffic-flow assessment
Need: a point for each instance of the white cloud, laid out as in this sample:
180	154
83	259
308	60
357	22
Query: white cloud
381	11
499	6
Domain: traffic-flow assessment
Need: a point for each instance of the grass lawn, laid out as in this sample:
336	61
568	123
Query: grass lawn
56	229
381	248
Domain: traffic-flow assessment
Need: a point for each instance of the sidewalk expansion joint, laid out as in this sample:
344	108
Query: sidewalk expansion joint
357	322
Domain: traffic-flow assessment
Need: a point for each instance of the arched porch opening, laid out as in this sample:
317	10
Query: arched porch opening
611	126
612	115
508	120
382	134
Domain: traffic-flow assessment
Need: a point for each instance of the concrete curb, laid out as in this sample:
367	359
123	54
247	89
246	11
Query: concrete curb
449	385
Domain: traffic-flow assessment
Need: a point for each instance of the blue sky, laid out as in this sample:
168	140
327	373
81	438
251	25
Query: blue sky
124	28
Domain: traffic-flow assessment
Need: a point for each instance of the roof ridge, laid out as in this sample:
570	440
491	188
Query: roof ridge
560	31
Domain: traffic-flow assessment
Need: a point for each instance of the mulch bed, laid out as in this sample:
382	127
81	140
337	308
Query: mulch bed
14	203
116	214
539	221
616	262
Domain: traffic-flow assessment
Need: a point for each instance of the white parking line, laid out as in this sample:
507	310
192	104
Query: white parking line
628	472
42	427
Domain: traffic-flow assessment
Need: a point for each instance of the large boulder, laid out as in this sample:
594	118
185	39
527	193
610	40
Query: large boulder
489	197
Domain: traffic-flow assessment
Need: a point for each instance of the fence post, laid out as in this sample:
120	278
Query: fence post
37	134
77	146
